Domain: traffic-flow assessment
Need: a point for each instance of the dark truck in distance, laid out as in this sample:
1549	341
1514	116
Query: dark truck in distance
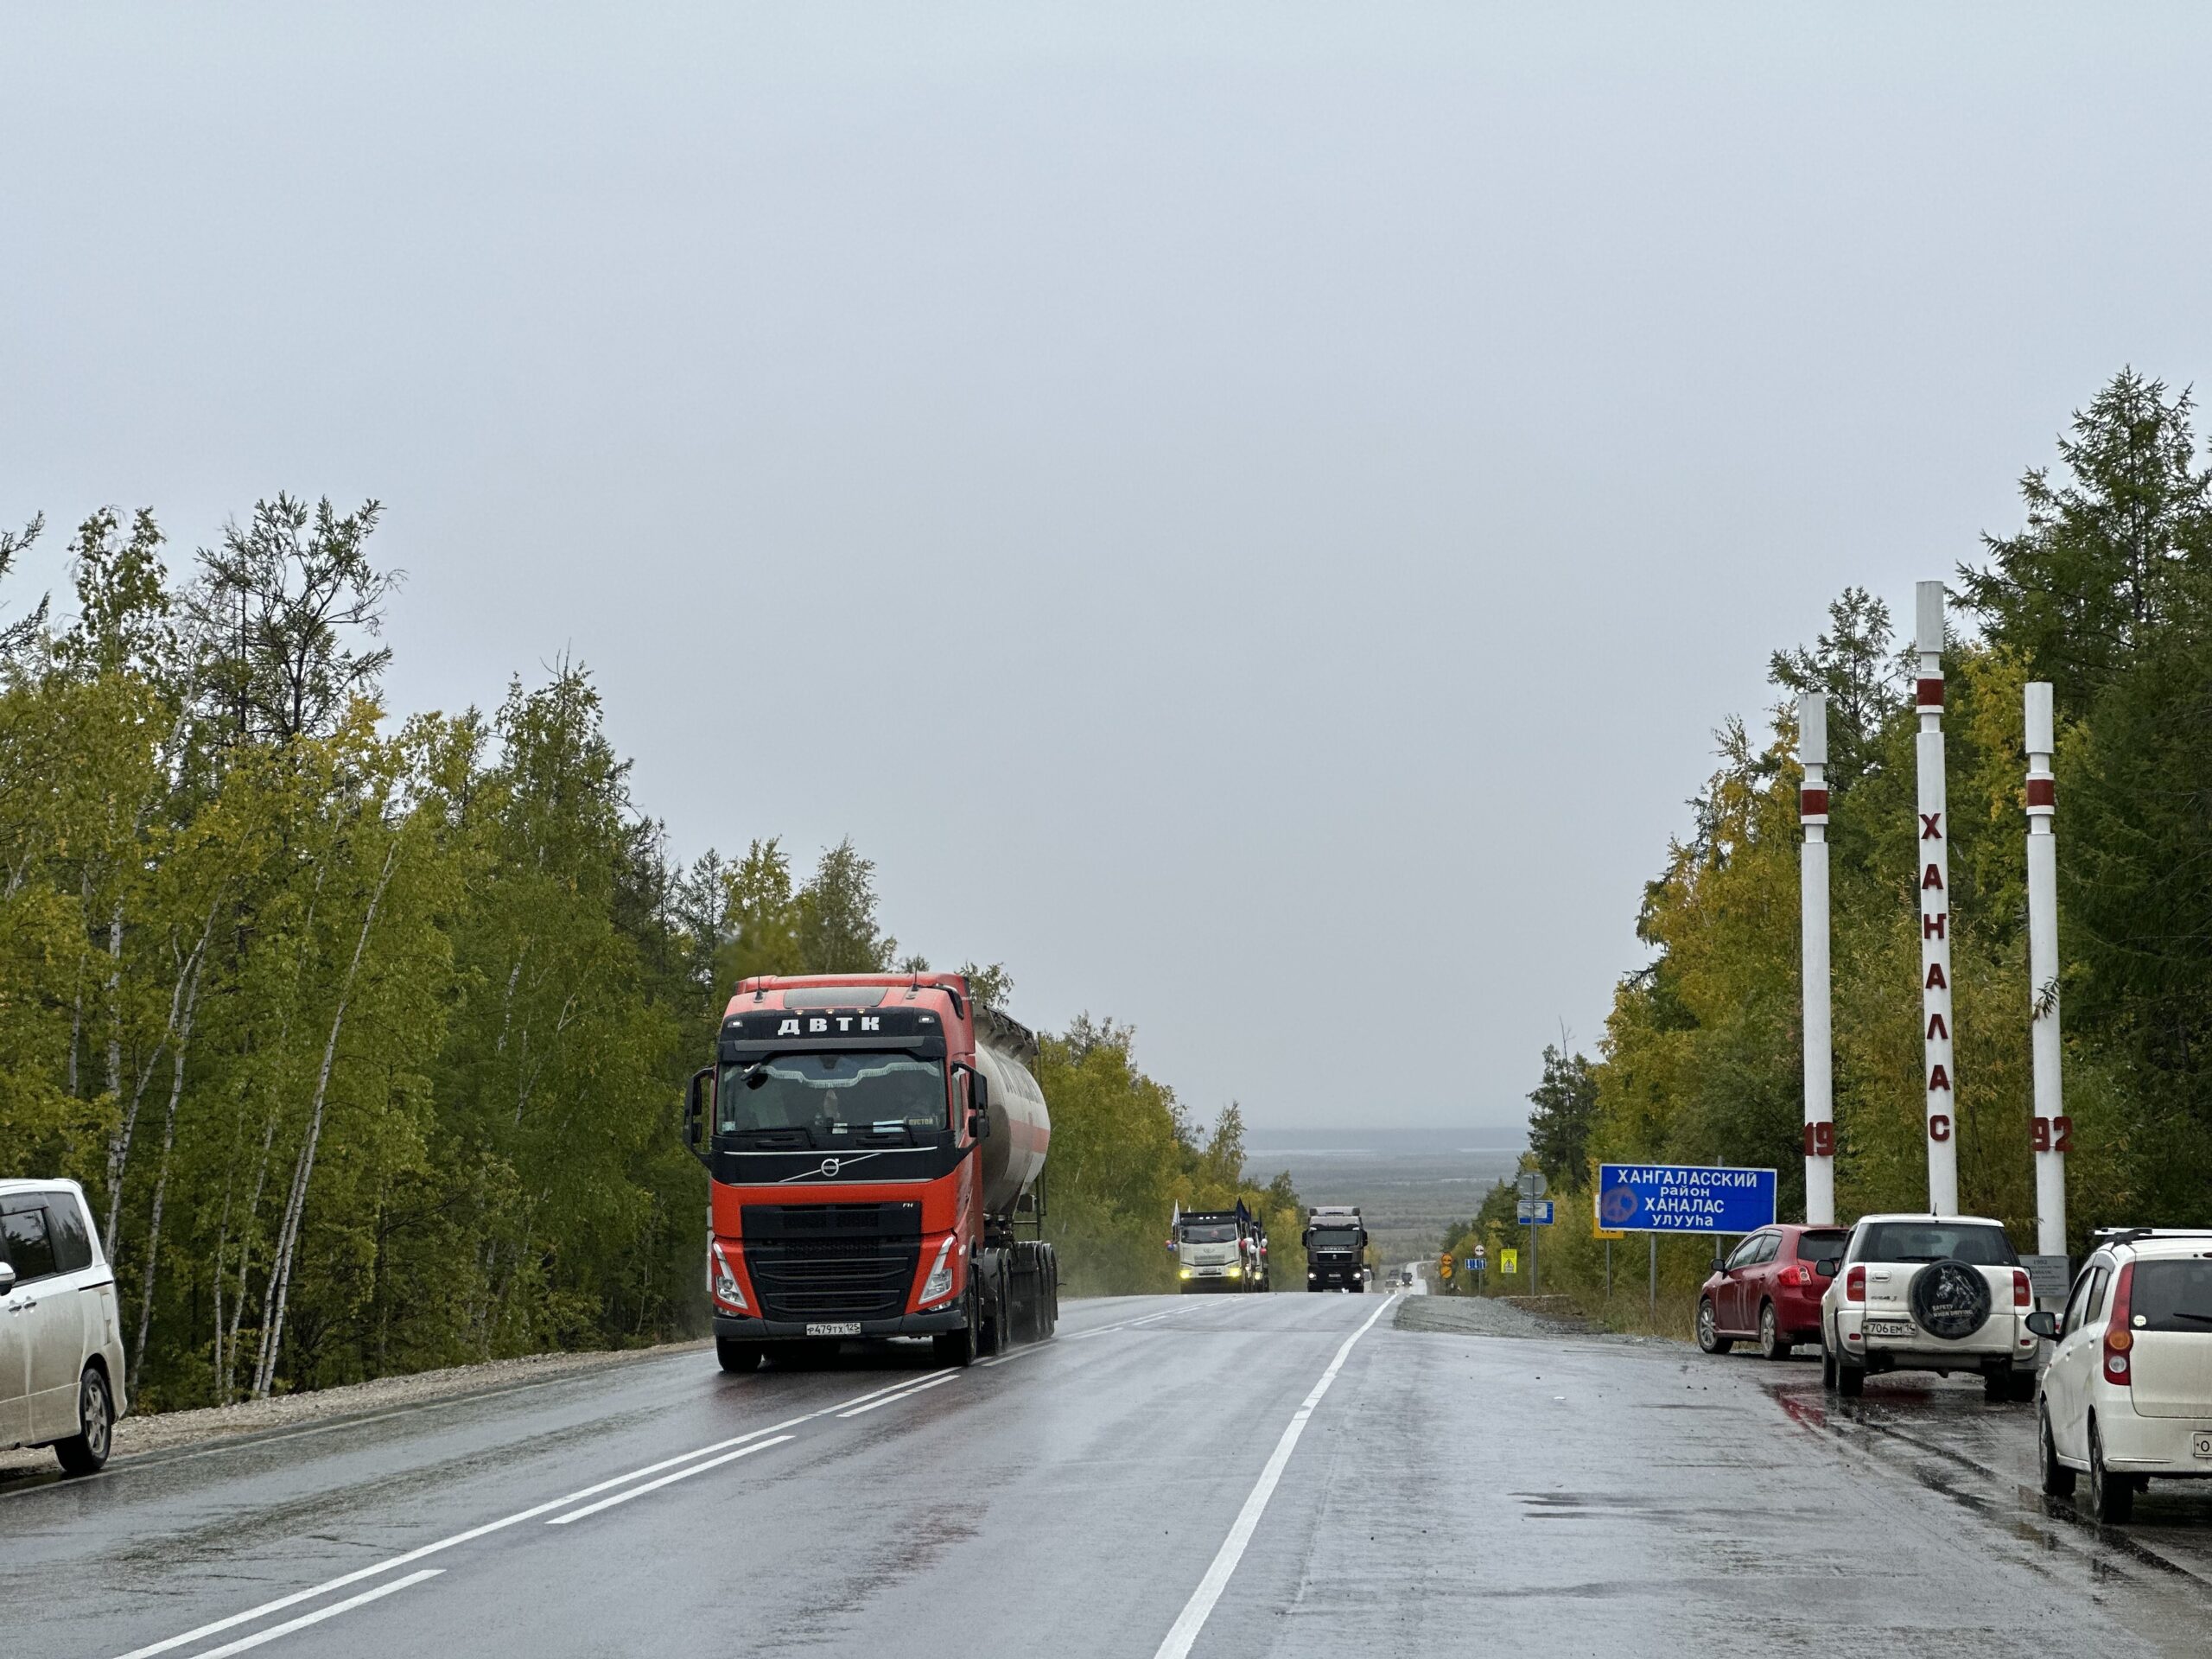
1335	1248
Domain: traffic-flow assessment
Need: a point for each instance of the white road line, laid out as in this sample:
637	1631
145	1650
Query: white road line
294	1600
1193	1617
319	1615
666	1480
893	1399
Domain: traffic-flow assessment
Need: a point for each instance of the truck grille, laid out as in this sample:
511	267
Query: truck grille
832	1261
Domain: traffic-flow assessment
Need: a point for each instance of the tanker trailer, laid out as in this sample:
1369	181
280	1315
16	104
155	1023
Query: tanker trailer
874	1147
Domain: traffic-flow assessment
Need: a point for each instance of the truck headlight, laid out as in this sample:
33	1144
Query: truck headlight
722	1279
1186	1273
938	1285
1236	1273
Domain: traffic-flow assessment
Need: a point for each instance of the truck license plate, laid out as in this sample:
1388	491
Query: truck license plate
1889	1327
843	1328
2200	1443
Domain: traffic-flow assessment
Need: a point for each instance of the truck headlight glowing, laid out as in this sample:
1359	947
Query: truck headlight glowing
1236	1273
938	1285
721	1280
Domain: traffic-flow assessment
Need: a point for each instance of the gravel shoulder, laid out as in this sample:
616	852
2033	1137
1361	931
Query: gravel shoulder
162	1431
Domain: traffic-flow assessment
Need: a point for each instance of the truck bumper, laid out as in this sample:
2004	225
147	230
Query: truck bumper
730	1328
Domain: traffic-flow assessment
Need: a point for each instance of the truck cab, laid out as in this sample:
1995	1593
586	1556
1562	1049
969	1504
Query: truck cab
1336	1250
875	1147
1216	1250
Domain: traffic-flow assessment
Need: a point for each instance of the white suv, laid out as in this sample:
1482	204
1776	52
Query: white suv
60	1343
1925	1293
2127	1394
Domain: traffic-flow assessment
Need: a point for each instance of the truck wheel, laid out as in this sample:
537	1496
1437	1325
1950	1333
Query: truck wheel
2112	1497
86	1452
990	1335
739	1358
2057	1479
957	1347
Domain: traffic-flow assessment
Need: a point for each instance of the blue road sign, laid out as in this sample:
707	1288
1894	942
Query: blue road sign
1536	1210
1474	1264
1684	1198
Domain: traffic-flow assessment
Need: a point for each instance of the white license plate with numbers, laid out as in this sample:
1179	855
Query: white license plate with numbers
1889	1327
843	1328
2200	1443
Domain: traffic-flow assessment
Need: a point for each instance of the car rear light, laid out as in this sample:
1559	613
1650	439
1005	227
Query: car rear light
1793	1276
1854	1284
2117	1337
2022	1295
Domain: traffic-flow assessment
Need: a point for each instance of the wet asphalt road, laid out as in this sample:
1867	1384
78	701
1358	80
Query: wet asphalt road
1454	1492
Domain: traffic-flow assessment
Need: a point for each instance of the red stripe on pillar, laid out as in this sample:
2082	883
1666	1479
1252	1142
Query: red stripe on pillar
1931	694
2042	792
1812	802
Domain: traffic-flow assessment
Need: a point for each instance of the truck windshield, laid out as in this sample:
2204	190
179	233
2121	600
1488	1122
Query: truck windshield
833	1095
1335	1238
1220	1232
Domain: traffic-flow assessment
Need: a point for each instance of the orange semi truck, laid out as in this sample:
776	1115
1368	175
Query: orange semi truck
874	1147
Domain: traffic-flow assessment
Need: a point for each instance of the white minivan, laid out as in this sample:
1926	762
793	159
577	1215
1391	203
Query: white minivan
2127	1394
60	1338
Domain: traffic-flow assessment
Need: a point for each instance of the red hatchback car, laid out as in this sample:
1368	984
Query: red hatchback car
1768	1291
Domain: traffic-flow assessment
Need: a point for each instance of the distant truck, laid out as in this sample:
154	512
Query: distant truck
1336	1250
875	1146
1218	1250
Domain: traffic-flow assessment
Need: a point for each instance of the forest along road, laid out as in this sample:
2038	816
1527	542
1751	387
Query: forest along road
1210	1475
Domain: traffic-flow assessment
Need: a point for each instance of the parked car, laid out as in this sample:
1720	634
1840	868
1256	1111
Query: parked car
60	1336
1926	1292
1768	1291
2127	1393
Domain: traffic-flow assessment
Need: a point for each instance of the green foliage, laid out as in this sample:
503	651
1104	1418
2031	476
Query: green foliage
2105	591
369	1045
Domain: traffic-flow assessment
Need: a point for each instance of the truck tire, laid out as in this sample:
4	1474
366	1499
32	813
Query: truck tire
990	1335
738	1359
957	1347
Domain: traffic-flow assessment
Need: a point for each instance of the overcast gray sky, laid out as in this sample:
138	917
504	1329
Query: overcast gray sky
1247	513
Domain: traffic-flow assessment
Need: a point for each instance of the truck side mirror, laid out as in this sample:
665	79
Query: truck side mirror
694	1112
979	1104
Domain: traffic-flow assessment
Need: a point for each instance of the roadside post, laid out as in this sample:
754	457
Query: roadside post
1531	1184
1939	1061
1813	946
1532	1213
1702	1199
1599	1230
2050	1130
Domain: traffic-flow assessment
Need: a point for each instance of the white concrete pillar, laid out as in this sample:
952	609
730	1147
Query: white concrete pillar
2052	1130
1813	934
1933	832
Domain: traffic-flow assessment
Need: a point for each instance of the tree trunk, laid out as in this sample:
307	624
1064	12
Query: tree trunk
169	1140
280	1273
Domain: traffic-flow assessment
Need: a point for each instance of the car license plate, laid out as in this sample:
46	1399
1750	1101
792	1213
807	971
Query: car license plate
843	1328
1889	1327
2200	1443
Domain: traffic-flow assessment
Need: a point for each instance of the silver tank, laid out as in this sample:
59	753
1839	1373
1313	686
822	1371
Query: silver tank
1014	1153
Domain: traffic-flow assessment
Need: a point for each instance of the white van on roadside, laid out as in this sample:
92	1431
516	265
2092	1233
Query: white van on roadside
61	1331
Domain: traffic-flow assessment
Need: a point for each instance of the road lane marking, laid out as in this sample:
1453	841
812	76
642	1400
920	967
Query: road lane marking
1193	1618
319	1615
216	1626
625	1495
893	1399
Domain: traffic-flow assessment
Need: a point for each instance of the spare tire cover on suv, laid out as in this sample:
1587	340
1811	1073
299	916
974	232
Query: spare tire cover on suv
1950	1299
